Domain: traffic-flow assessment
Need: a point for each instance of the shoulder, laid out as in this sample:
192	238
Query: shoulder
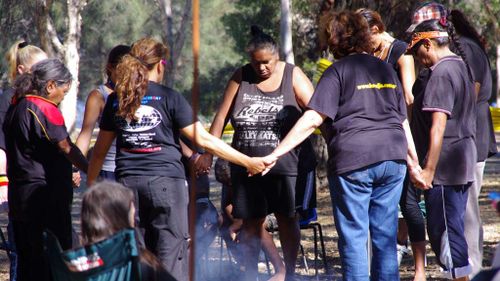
45	109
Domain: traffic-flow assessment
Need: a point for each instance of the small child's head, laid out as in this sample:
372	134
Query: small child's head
223	171
107	207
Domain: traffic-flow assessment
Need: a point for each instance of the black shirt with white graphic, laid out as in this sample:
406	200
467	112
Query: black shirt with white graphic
38	171
262	119
362	98
448	89
149	146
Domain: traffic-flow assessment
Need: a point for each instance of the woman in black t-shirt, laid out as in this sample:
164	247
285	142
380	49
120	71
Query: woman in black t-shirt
147	118
444	125
393	51
369	143
39	158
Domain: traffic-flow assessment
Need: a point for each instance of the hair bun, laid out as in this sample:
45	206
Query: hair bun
255	31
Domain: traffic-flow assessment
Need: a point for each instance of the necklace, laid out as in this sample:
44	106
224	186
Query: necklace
381	54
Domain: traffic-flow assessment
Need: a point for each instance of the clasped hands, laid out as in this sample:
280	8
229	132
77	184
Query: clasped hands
421	178
262	165
254	165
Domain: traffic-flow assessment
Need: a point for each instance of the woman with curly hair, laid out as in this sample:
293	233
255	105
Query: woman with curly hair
147	119
359	99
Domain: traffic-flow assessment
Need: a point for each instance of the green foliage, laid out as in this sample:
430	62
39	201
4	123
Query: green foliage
107	24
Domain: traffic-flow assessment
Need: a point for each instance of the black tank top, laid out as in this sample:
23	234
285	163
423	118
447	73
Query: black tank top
262	119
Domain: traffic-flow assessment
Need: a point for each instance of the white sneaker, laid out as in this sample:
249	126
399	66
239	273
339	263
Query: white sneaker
401	251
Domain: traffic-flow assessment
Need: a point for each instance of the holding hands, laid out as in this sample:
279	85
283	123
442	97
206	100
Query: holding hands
421	178
262	165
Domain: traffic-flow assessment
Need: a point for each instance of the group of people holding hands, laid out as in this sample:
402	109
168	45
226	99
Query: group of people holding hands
391	135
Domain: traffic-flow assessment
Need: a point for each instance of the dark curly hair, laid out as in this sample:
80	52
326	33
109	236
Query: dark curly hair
345	33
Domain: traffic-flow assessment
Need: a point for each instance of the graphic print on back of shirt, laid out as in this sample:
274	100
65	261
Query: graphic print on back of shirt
139	133
259	121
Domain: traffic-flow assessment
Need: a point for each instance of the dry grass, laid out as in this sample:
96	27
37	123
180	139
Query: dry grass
214	269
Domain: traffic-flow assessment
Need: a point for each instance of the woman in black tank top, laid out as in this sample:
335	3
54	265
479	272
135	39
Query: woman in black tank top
263	100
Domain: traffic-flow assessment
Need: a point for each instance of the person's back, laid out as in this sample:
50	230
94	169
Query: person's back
366	107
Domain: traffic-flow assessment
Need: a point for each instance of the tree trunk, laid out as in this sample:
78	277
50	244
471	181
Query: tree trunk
175	42
72	60
286	32
498	76
67	50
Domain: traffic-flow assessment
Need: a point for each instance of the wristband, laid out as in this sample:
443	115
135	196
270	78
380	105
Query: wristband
194	156
4	181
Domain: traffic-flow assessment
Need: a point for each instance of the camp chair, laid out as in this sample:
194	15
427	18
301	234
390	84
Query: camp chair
113	259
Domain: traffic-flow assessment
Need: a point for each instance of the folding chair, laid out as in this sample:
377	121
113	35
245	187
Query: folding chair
113	259
310	222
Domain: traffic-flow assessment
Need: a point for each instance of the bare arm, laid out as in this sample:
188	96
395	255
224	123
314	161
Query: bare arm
73	154
302	87
220	120
196	133
435	144
101	147
304	127
414	168
93	108
407	72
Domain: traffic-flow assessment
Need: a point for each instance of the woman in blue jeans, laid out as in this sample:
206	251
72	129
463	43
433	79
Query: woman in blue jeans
359	101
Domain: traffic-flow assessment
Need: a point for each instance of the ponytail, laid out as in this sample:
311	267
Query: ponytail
20	53
24	85
132	74
456	43
35	82
132	77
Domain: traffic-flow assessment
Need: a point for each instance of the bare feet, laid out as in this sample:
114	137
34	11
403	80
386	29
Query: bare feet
279	276
419	276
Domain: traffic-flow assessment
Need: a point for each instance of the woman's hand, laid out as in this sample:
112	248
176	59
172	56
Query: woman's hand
270	160
427	176
255	165
203	163
415	174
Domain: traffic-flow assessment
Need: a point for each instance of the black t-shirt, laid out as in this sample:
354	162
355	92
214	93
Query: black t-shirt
37	169
5	99
396	50
448	90
150	146
480	67
362	96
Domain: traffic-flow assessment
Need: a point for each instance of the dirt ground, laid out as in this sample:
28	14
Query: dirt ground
217	265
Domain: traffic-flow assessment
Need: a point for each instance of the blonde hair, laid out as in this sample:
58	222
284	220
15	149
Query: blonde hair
132	74
20	53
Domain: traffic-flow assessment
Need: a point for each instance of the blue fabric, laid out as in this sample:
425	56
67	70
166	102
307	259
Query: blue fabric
113	259
367	200
445	226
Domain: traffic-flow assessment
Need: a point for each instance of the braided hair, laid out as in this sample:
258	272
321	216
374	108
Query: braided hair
445	25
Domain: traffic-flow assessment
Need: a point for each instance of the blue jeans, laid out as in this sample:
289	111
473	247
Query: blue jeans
367	199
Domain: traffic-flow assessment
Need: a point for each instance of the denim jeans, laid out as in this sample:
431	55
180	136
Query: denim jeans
367	200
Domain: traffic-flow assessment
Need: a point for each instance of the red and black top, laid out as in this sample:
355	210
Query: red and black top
37	169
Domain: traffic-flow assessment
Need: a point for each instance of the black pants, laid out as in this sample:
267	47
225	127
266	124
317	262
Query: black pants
162	217
411	211
32	264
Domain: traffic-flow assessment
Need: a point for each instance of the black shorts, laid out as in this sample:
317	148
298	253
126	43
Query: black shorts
258	196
